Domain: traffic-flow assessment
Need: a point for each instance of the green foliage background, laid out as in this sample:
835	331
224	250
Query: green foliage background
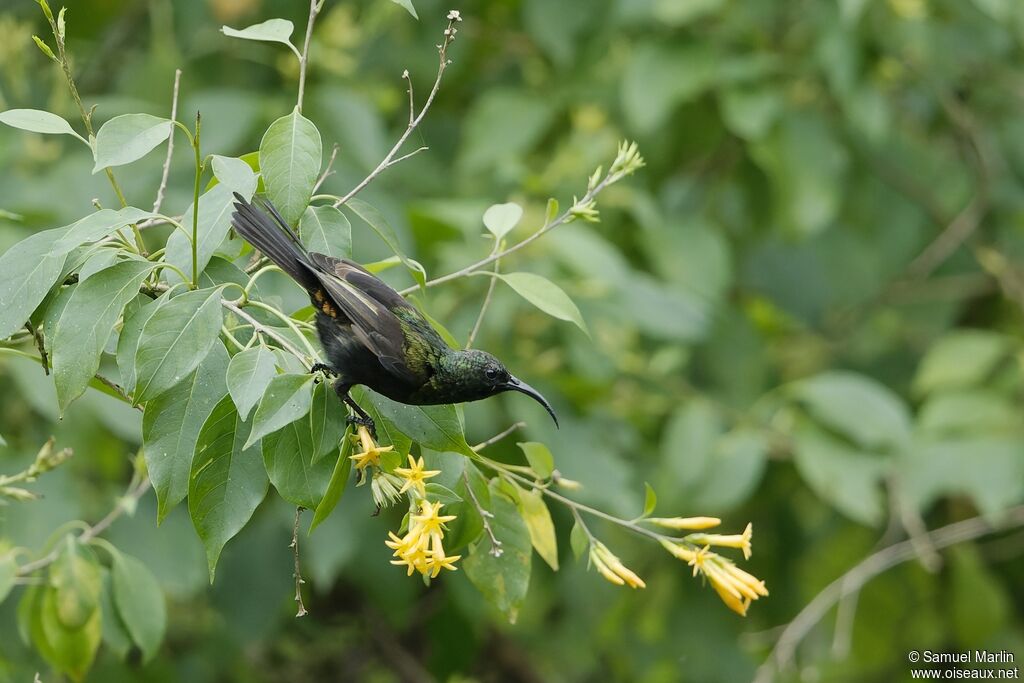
805	312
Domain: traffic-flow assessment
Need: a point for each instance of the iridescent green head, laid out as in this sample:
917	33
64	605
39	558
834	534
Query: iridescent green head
478	374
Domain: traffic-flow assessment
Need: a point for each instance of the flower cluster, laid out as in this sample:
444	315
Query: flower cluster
422	547
611	567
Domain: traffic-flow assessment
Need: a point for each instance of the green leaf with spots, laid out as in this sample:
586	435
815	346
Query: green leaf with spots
287	398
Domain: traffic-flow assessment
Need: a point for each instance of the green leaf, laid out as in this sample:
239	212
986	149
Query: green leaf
248	376
215	209
290	158
407	4
115	633
38	121
503	580
539	457
387	433
732	473
128	341
326	230
976	412
98	225
688	441
845	478
140	603
468	525
501	218
101	260
75	578
436	427
171	424
551	212
336	486
129	137
439	493
227	481
650	500
30	270
292	453
288	397
545	295
961	359
375	219
70	651
86	323
858	407
176	339
538	522
271	31
578	540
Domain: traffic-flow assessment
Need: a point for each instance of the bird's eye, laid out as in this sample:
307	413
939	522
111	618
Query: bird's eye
492	373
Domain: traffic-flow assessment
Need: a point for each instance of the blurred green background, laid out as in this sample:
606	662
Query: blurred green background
805	312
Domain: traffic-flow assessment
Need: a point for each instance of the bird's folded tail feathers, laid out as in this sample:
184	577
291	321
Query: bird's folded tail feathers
268	232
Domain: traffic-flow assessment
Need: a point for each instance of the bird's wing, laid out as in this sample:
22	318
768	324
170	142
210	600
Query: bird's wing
368	303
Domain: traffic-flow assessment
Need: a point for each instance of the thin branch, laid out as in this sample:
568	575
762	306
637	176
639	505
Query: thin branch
487	302
389	160
781	655
498	437
170	147
117	389
298	570
261	328
37	335
314	9
485	517
327	170
547	227
134	493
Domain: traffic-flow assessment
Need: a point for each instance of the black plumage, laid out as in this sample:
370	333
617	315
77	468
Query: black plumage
371	335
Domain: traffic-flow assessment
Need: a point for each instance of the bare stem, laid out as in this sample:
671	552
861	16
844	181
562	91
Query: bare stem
195	204
314	10
260	328
301	612
414	121
485	517
487	301
327	169
134	493
170	147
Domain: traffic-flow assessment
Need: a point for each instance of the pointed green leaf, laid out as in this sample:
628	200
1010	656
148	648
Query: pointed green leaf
290	158
545	295
115	633
271	31
539	457
865	411
407	5
129	137
128	341
436	427
30	270
38	121
375	219
227	481
503	580
501	218
578	540
288	397
439	493
140	603
175	340
292	453
171	425
326	230
98	225
538	522
249	373
338	483
86	323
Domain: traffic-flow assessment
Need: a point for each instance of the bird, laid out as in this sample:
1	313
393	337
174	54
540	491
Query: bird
370	334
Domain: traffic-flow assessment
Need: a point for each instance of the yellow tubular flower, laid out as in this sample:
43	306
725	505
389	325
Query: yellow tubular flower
422	547
611	567
371	452
741	541
735	587
694	523
415	476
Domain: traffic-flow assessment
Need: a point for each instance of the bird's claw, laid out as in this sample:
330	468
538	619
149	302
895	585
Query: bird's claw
360	421
324	368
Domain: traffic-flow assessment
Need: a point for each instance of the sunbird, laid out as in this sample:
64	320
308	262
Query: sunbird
370	333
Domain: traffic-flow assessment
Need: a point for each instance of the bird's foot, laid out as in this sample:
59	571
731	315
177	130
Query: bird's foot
363	421
324	368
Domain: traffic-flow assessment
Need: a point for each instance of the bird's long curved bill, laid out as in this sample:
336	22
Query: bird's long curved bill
515	384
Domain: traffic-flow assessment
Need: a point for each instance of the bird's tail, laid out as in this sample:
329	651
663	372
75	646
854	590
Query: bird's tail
267	231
